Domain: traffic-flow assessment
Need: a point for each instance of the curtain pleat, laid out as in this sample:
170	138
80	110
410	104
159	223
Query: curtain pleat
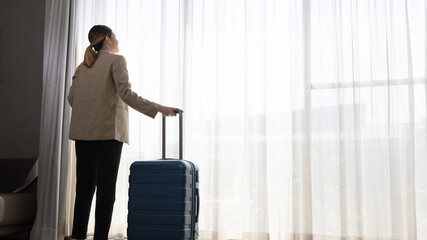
53	159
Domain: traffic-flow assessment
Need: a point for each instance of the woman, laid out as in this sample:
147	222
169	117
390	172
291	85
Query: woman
99	97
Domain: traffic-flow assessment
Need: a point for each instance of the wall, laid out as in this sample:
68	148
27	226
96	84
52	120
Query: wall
21	76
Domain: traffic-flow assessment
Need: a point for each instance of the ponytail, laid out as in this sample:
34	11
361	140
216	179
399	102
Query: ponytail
90	56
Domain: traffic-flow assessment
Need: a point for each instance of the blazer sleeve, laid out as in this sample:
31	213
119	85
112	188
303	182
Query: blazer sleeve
121	79
73	86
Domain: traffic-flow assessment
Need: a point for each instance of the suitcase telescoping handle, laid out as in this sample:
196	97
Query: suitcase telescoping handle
164	135
180	155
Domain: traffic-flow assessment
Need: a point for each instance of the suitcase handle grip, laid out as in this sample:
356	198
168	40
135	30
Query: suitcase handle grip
197	204
164	135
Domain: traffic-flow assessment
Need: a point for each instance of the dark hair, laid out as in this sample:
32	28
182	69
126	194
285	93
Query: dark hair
95	32
97	35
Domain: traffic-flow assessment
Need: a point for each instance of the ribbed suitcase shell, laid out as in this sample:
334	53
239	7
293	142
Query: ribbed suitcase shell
163	200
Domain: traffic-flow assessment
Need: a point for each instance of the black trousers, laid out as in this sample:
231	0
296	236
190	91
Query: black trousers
97	167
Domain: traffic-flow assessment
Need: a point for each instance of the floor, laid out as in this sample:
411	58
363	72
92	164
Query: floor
20	236
91	238
66	238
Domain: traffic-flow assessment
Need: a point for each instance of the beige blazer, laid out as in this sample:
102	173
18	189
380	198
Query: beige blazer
99	97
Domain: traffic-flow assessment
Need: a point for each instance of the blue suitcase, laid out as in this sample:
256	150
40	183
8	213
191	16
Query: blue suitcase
164	197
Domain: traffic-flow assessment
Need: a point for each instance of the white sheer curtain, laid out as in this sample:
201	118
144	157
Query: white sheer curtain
307	118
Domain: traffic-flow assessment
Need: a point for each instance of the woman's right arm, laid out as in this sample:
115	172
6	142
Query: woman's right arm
121	79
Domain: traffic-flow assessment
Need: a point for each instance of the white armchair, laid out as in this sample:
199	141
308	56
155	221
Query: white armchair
17	210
